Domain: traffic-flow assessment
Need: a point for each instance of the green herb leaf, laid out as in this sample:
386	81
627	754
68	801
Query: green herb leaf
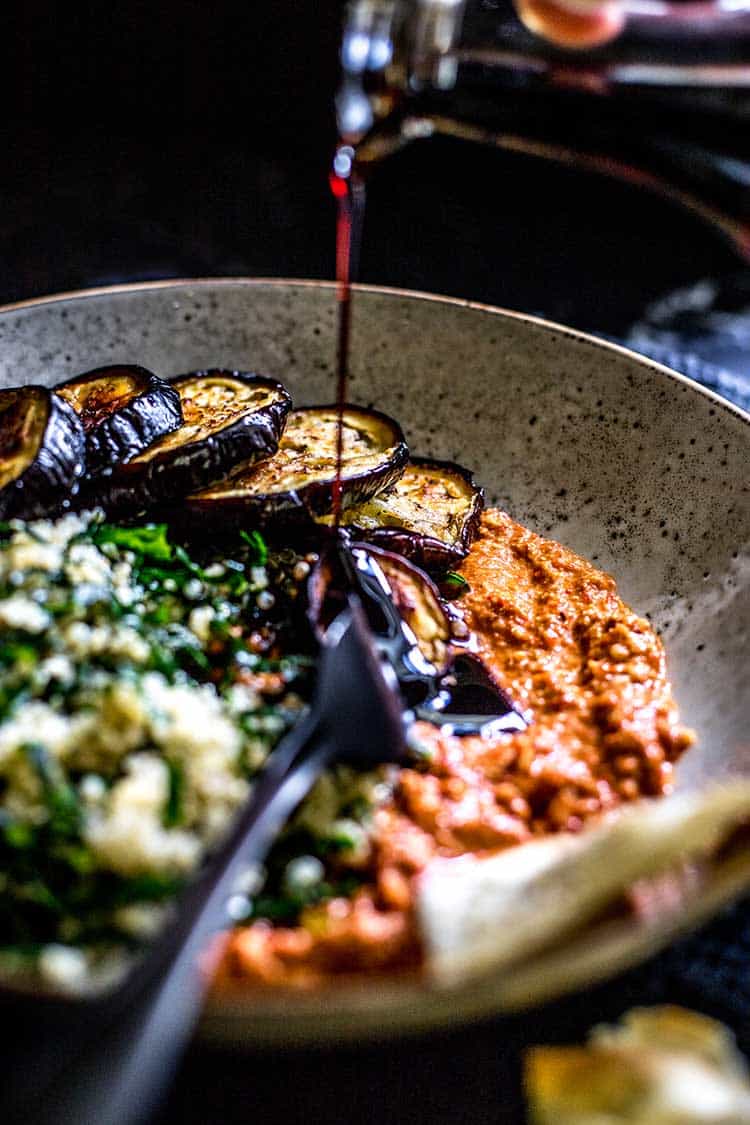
149	887
172	814
150	540
187	562
18	653
18	835
456	582
257	544
59	796
77	856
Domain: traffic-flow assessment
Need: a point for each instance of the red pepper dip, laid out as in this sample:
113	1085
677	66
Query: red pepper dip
604	730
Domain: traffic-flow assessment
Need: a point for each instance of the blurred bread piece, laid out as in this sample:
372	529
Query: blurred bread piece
536	907
659	1066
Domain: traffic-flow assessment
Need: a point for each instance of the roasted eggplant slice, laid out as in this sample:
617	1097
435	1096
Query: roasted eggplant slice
42	452
392	591
417	601
123	410
228	417
442	685
298	481
430	515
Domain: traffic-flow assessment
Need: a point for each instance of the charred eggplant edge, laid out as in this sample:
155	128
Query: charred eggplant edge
178	471
151	413
51	478
299	506
318	585
427	551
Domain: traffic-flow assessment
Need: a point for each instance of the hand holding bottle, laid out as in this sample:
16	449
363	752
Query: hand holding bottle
573	23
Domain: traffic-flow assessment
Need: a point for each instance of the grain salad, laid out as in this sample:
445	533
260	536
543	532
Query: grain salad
138	698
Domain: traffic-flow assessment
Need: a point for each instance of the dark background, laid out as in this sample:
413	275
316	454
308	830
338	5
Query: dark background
189	139
146	140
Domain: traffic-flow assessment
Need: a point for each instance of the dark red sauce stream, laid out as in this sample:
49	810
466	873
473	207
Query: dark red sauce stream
349	192
473	701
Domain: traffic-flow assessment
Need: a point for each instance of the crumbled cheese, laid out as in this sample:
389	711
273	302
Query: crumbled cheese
129	837
115	724
241	698
40	546
199	621
92	788
215	570
303	872
114	640
35	722
19	612
60	532
188	720
26	553
86	565
258	577
141	920
63	966
55	669
122	583
192	726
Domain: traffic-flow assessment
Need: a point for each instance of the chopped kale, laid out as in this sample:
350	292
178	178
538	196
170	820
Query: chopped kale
172	815
258	548
286	908
150	540
63	808
456	583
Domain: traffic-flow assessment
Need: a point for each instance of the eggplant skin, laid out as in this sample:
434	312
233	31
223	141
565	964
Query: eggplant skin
418	601
431	516
42	453
432	555
296	485
412	592
123	409
228	417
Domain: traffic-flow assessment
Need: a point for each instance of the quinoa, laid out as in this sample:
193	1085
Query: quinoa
135	709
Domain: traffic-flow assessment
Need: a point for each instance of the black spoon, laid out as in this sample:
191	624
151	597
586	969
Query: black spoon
107	1061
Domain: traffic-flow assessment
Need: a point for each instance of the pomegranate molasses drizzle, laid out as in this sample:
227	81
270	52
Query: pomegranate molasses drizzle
348	190
466	700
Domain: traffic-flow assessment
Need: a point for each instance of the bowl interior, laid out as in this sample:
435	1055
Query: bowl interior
633	467
630	465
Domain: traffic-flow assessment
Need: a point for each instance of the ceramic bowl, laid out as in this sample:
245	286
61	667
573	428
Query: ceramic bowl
633	466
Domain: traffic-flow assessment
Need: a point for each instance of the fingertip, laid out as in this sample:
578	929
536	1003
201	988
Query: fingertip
580	28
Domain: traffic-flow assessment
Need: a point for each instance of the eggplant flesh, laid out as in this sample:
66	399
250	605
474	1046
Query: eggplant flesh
384	582
298	481
430	515
417	602
42	452
123	410
228	417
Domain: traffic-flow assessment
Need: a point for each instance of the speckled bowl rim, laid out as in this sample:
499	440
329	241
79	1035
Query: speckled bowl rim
389	1008
382	290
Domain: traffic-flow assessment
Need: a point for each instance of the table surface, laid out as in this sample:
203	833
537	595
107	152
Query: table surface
173	140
